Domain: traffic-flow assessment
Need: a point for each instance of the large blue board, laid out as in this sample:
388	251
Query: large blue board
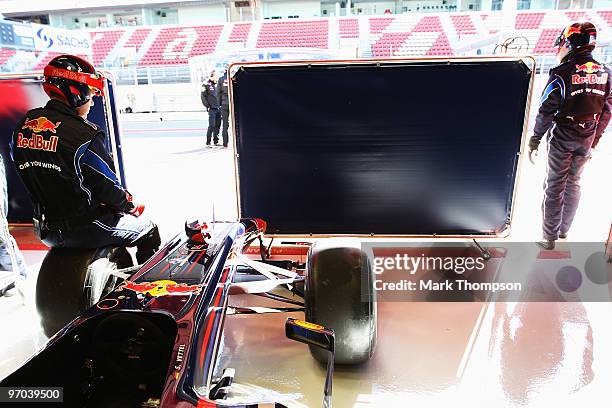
389	148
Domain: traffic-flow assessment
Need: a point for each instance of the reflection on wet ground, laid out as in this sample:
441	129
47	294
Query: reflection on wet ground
465	354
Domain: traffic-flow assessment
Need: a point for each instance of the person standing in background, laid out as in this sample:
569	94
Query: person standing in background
211	103
223	95
575	110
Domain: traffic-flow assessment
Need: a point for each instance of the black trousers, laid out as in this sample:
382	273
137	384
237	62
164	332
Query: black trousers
214	123
569	148
225	120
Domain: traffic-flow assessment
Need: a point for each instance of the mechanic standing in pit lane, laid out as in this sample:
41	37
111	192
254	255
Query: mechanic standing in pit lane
577	104
63	161
223	95
211	103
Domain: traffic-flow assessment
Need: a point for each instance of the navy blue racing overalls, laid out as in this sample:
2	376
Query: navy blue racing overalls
574	113
78	200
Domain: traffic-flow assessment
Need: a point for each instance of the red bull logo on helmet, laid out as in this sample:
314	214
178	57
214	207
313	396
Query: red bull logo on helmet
161	288
571	30
37	142
41	124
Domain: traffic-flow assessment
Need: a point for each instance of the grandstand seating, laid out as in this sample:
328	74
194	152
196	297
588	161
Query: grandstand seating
441	34
378	24
429	24
102	44
441	46
410	34
137	37
174	45
463	24
525	21
543	29
426	37
309	33
240	33
6	54
389	44
348	28
576	15
546	41
606	16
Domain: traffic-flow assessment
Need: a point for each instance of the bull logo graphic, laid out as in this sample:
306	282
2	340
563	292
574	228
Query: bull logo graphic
41	124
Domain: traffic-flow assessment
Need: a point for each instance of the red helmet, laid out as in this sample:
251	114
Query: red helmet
576	35
72	79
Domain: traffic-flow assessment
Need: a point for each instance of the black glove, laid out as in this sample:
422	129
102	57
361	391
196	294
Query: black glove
534	142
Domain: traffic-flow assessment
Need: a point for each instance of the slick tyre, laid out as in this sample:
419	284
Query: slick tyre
70	281
339	294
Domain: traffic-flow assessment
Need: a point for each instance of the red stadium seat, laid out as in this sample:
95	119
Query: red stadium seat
6	54
240	32
175	45
312	34
545	42
102	44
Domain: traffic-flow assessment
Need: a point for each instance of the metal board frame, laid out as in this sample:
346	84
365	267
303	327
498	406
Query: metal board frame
529	63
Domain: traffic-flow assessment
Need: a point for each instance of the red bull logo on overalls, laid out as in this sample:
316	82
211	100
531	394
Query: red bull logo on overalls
41	124
592	77
37	142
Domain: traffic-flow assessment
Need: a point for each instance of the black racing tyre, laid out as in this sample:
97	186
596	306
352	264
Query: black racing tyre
339	294
70	281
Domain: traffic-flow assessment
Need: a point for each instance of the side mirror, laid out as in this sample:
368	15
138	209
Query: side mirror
318	336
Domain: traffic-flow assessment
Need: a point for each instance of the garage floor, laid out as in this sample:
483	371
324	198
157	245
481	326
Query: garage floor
434	354
428	354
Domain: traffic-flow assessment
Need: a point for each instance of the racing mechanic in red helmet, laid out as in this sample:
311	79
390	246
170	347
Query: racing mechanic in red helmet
576	104
62	159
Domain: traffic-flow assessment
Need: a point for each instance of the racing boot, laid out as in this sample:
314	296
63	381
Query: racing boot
546	244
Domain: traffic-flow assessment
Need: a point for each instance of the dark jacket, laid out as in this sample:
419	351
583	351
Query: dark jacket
63	162
209	95
577	90
223	92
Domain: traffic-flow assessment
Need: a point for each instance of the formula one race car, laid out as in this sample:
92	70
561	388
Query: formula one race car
315	169
153	341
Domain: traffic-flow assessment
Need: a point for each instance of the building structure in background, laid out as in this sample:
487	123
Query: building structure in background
88	14
154	48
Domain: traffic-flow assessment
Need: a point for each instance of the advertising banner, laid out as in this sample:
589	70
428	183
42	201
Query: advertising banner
16	35
53	39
